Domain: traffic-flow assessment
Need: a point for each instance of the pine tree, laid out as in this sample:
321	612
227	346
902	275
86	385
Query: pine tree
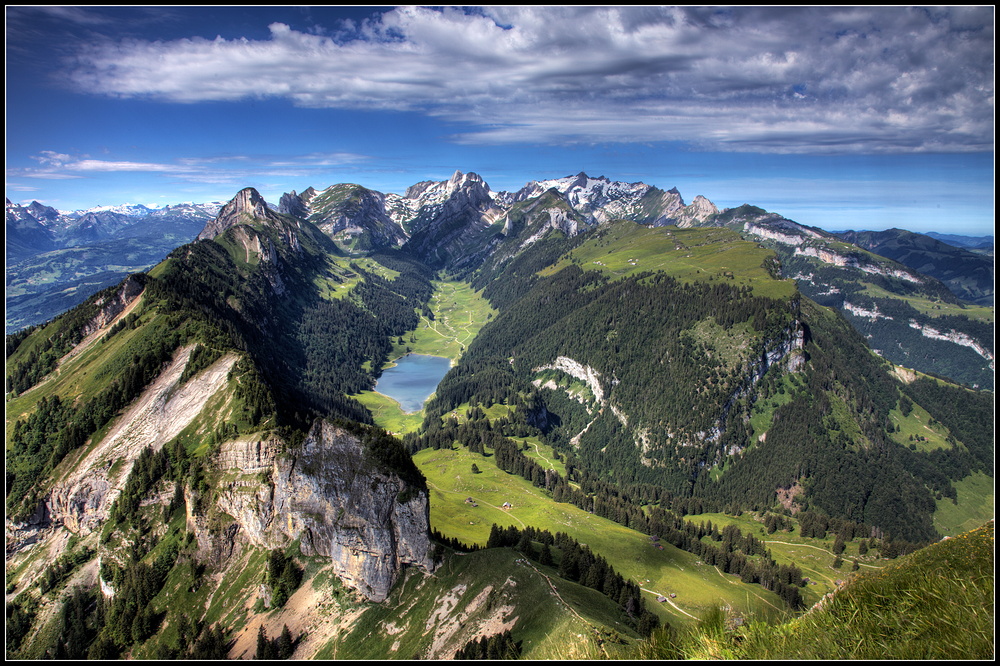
286	646
264	650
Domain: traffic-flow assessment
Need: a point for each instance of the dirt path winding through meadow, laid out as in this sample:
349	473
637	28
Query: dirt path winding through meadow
572	610
806	545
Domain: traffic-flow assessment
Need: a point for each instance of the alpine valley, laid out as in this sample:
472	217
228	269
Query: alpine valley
668	431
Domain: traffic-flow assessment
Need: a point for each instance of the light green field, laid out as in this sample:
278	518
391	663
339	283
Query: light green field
698	587
459	313
389	414
541	453
689	255
935	308
925	435
339	277
493	412
975	505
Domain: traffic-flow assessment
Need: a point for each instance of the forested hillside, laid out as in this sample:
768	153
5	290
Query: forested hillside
187	472
641	378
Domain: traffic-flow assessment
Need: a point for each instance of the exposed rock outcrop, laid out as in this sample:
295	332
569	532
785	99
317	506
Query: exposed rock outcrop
82	500
585	373
695	213
114	305
247	207
956	337
334	498
295	204
852	261
449	222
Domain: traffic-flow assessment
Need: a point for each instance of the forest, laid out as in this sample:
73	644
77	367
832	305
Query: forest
646	337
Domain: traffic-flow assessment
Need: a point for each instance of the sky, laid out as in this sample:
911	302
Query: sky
835	117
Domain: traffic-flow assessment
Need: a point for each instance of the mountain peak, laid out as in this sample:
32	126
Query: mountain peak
246	207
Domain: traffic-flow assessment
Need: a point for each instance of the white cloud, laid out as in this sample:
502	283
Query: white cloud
806	79
210	169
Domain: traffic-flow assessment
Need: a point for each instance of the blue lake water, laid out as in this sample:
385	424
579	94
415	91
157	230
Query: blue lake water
413	379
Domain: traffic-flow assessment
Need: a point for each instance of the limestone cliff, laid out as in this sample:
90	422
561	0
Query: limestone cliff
332	496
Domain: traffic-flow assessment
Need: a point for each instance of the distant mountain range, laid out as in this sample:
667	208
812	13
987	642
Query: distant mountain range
912	285
967	274
56	259
36	228
972	242
651	407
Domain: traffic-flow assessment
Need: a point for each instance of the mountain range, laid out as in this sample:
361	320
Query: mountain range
57	259
913	296
660	404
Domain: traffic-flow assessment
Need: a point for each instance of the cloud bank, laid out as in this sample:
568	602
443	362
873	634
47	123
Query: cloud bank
218	170
777	80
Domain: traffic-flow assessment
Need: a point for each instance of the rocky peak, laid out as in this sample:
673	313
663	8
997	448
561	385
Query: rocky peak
695	213
247	207
36	212
295	204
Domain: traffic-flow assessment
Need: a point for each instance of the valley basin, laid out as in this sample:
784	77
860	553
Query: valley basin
413	379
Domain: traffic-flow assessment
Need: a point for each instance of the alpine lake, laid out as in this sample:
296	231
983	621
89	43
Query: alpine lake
413	379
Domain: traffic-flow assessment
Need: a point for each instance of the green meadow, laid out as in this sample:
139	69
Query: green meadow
974	507
813	556
698	587
689	255
934	307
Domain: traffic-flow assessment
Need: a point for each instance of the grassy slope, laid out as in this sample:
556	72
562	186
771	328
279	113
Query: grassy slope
936	308
975	505
936	603
82	374
479	594
814	556
689	255
698	587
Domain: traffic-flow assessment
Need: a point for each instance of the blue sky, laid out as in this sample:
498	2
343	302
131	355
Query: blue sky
842	118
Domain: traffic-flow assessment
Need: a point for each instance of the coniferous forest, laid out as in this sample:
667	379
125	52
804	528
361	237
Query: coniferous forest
647	387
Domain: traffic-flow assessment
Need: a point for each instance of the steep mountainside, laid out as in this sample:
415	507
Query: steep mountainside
908	317
683	369
188	476
157	426
968	275
355	217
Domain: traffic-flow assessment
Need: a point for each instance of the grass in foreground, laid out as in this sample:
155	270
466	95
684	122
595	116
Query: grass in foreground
936	603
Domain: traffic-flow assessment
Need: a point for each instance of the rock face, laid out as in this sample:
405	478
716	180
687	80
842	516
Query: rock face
247	207
452	221
295	204
112	306
335	499
81	502
350	211
695	213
